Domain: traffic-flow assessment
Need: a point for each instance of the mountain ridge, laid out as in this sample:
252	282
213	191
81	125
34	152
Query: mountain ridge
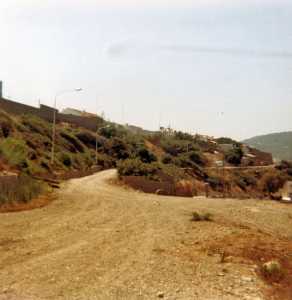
279	144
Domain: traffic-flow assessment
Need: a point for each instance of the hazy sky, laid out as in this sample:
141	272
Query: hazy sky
216	67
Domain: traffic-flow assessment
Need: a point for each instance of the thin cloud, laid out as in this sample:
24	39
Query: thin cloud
227	51
124	49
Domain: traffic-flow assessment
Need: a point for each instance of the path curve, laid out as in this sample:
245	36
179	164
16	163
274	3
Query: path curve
100	241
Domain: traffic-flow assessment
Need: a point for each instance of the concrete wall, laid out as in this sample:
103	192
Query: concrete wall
47	112
17	108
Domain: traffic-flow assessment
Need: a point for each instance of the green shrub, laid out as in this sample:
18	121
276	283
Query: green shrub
197	158
135	167
216	183
118	148
197	217
105	161
234	156
272	182
183	161
226	140
183	136
167	159
77	146
66	159
37	125
146	156
6	129
110	132
6	125
15	151
244	181
285	166
89	139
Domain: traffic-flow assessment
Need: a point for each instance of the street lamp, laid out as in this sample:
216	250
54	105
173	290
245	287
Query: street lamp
54	120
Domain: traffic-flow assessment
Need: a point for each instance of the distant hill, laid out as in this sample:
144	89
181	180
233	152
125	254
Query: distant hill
279	144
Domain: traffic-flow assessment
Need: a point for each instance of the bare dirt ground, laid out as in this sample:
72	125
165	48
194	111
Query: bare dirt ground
101	241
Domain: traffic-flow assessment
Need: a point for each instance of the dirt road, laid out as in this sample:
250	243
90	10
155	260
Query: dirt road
100	241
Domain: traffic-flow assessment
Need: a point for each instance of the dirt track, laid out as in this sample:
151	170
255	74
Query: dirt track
100	241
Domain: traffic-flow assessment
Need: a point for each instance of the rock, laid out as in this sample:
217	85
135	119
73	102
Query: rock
160	295
247	279
272	267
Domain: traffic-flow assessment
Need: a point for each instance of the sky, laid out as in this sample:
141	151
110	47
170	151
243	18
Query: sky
216	67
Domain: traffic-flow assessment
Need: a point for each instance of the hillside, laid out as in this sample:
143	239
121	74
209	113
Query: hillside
279	144
169	162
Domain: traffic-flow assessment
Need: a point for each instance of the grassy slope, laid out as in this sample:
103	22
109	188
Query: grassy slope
279	144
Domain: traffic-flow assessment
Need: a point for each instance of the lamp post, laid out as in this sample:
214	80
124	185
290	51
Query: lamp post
54	120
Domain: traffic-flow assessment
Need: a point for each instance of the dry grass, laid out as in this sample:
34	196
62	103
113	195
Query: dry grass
38	202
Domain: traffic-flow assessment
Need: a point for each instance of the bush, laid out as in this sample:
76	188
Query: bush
6	125
234	156
272	182
197	217
173	147
226	140
167	159
89	139
15	152
37	125
197	158
22	189
285	166
244	181
5	129
118	148
183	136
189	160
135	167
216	183
77	146
66	159
105	161
183	161
110	132
146	156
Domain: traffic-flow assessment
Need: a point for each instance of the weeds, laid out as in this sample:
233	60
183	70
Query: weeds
197	217
21	189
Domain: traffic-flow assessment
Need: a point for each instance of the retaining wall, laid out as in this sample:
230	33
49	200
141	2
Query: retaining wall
47	112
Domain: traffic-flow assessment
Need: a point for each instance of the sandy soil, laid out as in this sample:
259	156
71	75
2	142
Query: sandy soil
101	241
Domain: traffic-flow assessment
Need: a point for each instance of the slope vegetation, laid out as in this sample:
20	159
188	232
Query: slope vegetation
169	162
